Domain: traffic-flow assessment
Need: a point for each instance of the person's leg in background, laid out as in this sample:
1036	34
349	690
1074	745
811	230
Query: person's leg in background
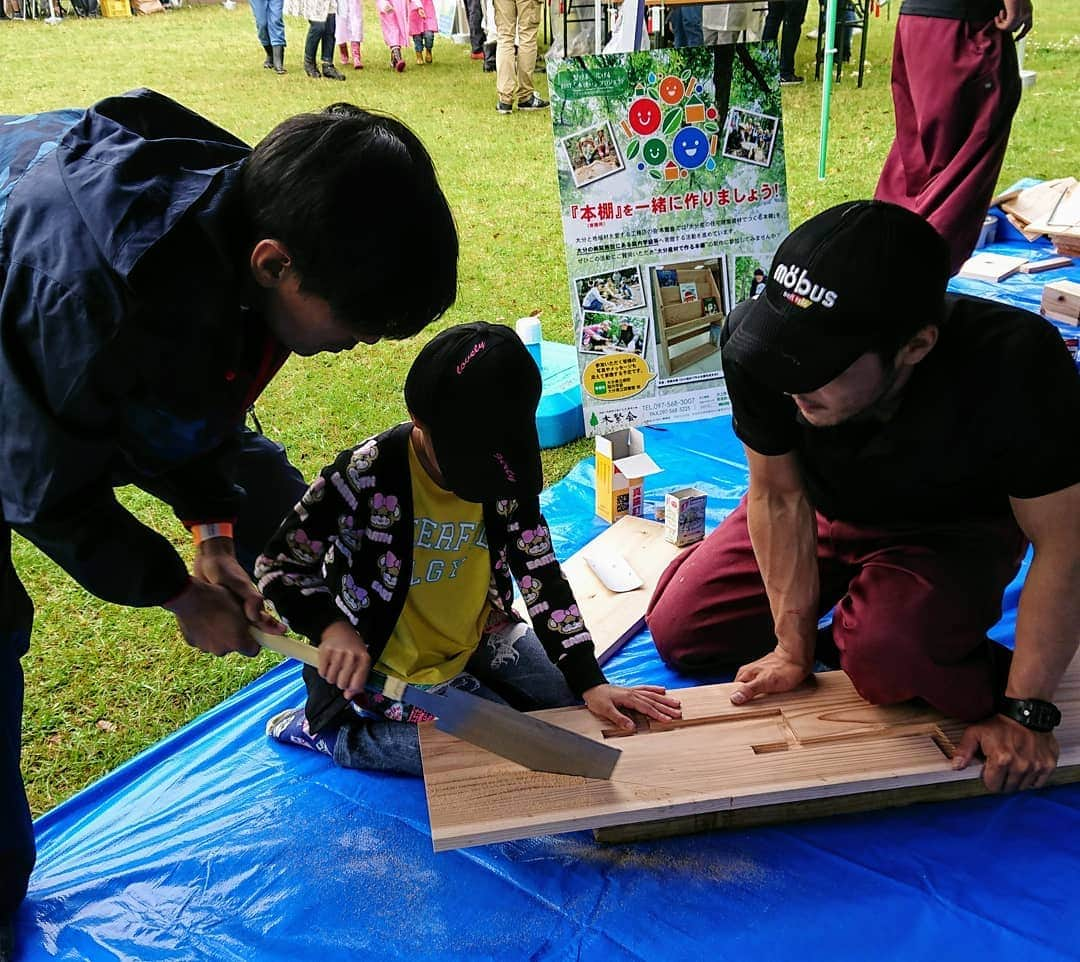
275	27
16	829
529	13
956	87
794	15
311	48
329	35
474	10
259	12
506	16
774	17
686	26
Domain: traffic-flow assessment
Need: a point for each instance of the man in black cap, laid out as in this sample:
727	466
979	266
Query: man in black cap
397	564
904	447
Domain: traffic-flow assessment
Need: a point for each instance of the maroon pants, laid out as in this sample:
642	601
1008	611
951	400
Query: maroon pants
912	607
955	89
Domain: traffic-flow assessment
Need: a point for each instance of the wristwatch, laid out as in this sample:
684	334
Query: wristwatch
1039	716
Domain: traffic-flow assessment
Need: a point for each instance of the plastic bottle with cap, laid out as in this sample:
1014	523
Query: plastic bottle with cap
528	329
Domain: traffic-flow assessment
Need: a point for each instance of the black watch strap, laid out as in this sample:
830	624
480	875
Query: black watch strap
1033	713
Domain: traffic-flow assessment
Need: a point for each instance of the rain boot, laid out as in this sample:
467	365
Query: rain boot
278	57
268	63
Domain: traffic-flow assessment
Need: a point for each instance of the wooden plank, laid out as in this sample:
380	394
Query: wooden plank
613	618
692	356
806	810
817	744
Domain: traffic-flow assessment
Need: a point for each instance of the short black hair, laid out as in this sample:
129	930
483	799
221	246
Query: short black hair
316	173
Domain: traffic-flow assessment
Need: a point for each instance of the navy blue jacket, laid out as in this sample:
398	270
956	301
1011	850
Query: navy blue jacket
128	351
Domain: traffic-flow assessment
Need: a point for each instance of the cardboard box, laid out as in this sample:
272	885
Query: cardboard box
621	468
684	516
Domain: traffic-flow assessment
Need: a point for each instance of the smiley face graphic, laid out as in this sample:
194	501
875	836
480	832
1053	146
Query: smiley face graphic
671	90
691	148
654	152
644	116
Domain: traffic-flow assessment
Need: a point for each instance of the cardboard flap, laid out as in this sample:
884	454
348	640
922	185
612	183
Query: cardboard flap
637	466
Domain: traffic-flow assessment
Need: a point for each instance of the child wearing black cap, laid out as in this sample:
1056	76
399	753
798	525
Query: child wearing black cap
397	564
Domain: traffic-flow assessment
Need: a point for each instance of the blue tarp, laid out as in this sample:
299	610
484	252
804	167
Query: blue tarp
219	844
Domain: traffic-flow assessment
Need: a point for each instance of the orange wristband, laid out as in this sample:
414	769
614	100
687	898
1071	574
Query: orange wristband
217	529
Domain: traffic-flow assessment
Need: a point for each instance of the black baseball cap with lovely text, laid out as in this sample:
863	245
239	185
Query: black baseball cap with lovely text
840	284
475	388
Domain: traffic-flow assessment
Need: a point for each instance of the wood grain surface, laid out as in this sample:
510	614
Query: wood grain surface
819	742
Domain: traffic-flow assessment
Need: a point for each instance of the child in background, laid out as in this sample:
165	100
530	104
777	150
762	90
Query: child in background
394	21
397	563
350	31
321	16
423	25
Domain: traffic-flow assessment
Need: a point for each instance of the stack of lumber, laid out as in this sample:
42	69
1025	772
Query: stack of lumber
1051	208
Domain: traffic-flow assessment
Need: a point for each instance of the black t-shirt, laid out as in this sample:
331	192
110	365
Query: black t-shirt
978	11
992	412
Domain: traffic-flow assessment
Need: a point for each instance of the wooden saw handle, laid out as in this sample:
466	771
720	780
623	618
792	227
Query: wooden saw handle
288	647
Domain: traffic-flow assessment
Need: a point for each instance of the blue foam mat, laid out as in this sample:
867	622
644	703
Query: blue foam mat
219	844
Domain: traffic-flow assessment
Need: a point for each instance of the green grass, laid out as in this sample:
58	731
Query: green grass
104	682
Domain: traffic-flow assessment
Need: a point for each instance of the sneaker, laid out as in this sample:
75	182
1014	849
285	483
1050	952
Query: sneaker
290	727
330	72
503	108
791	80
535	102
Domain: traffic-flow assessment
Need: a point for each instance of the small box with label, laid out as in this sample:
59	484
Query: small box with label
684	516
621	468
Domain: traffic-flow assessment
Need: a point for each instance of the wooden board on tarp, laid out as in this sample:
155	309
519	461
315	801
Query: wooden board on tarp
817	743
613	618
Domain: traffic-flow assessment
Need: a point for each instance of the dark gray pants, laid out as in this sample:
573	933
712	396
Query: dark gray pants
273	486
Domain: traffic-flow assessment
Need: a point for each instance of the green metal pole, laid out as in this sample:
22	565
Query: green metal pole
826	86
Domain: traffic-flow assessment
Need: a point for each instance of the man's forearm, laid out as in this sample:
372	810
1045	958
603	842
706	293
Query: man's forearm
783	533
1047	626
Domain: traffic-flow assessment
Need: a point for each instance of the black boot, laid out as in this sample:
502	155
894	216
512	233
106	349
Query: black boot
311	70
489	57
330	72
278	56
268	63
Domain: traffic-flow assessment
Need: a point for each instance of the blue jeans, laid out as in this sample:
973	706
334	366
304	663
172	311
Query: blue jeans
509	667
686	25
269	22
273	486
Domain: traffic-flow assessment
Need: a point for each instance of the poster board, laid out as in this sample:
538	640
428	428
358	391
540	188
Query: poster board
673	191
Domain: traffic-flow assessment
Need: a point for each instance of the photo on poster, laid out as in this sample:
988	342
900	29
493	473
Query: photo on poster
749	137
686	333
611	292
613	333
593	154
748	276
